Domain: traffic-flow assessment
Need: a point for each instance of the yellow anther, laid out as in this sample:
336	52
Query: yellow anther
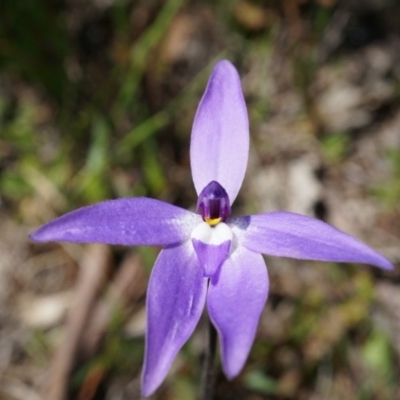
212	221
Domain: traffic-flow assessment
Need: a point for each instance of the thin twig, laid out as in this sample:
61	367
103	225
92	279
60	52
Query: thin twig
208	373
90	281
128	286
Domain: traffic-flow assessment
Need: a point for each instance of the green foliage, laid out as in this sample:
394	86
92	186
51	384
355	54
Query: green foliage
93	180
378	355
389	190
335	146
258	382
34	43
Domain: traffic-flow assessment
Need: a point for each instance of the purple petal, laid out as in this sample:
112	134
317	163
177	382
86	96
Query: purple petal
220	136
175	300
285	234
129	221
211	244
235	301
211	256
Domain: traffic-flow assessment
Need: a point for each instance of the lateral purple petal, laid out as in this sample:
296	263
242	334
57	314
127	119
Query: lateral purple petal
128	221
175	301
285	234
235	300
220	136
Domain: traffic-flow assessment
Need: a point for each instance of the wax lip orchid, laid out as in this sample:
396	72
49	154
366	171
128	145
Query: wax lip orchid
209	259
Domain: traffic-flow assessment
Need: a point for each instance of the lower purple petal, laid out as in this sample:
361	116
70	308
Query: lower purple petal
127	221
286	234
211	256
175	300
235	300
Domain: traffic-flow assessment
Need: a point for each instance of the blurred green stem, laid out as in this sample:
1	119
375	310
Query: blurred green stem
208	373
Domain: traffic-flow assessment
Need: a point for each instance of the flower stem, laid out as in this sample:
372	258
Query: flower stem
208	373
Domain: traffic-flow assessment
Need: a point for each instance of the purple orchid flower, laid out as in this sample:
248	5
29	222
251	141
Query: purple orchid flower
208	259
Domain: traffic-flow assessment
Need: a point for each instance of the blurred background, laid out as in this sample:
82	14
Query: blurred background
97	99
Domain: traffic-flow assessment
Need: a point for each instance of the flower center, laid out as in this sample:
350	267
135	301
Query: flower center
213	204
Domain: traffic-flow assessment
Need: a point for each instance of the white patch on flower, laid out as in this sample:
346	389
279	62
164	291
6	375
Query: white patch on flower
214	235
187	222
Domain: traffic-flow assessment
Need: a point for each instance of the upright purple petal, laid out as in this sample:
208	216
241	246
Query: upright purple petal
175	300
285	234
129	221
235	300
220	136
